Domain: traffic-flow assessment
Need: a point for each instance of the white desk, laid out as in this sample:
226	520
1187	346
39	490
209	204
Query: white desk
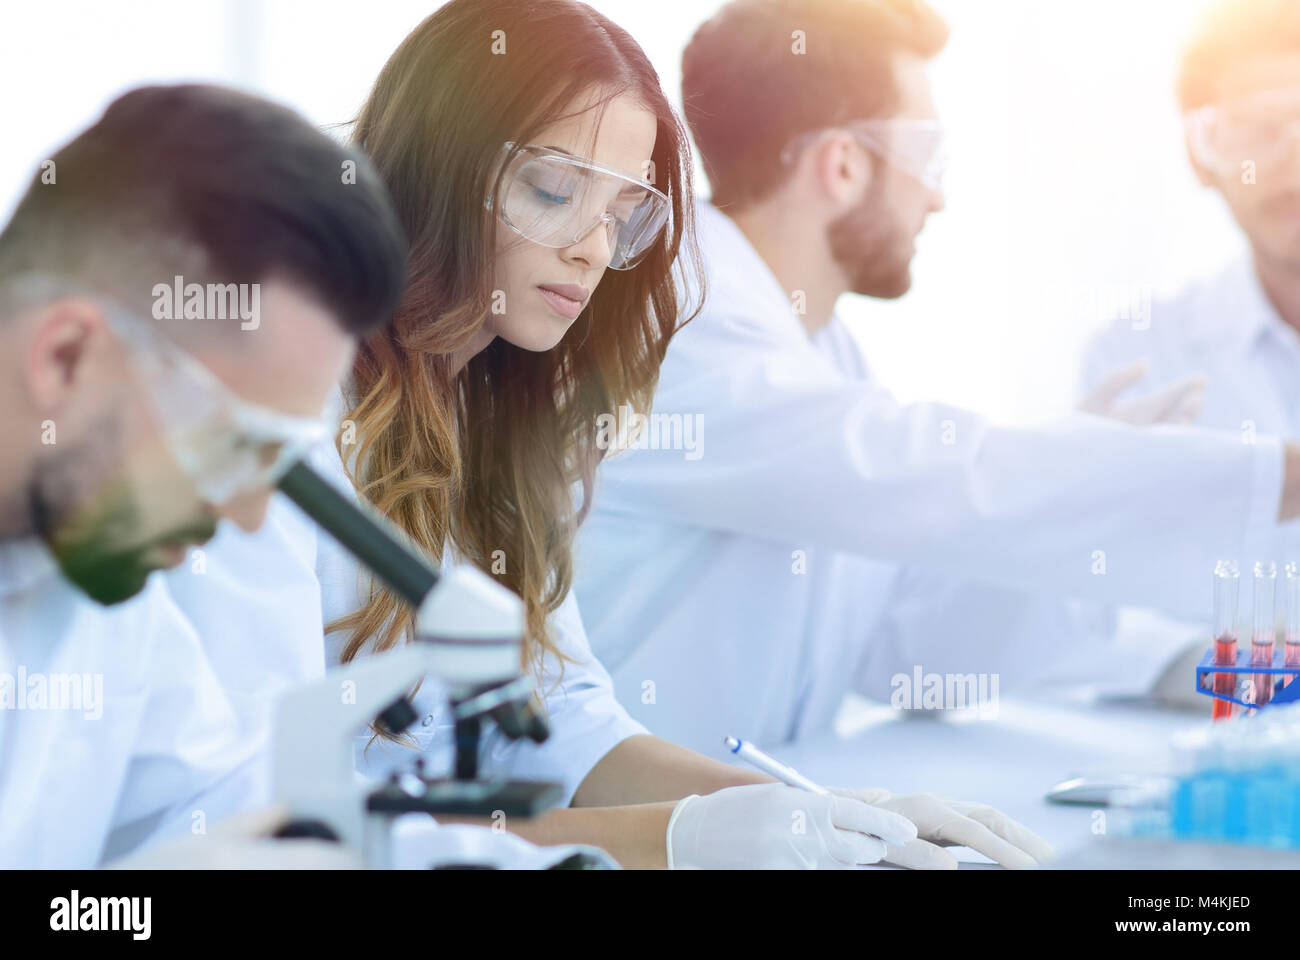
1009	761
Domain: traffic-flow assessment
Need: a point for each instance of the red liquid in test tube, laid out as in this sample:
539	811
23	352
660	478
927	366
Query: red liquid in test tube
1225	634
1262	637
1291	654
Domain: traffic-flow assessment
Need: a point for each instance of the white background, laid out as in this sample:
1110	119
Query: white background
1068	187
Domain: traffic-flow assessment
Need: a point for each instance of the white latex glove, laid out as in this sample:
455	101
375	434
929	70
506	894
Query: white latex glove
941	821
243	842
772	826
1178	403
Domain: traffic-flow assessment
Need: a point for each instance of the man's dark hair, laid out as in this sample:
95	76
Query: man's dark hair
1229	34
219	187
747	91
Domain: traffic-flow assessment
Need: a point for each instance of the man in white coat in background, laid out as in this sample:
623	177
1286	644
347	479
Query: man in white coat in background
1239	90
783	531
133	424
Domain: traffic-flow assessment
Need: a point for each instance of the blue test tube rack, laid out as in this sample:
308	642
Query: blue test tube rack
1207	668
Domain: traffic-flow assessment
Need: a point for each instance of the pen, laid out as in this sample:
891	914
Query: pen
771	766
775	768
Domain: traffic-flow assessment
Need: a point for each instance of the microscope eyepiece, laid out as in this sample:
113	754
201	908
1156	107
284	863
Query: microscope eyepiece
522	718
397	716
539	729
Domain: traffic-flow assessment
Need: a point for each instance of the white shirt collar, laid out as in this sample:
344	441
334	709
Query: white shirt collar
1242	316
748	280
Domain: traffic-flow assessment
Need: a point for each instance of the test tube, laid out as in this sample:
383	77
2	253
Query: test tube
1262	637
1291	656
1226	582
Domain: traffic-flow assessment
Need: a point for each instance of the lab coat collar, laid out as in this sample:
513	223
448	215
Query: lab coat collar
24	561
1240	316
745	275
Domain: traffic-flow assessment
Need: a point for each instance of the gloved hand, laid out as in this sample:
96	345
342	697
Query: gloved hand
244	842
1179	403
947	822
772	826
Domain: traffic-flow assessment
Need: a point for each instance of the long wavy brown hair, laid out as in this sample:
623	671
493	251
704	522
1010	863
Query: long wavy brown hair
489	458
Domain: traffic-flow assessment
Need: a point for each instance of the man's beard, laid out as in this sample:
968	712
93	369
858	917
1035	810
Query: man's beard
86	514
863	242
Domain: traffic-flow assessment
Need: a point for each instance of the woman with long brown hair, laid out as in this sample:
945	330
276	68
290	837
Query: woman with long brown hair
543	180
544	184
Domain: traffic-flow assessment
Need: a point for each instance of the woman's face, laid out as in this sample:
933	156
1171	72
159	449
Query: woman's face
539	291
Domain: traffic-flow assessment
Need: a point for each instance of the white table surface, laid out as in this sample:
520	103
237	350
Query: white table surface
1009	761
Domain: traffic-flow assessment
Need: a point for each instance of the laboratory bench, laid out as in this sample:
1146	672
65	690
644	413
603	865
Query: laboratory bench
1011	760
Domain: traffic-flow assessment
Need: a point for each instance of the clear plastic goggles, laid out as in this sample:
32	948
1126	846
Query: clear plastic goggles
224	444
914	146
1258	129
556	199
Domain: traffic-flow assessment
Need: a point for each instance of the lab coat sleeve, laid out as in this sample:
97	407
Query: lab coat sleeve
254	603
244	787
586	719
947	626
1082	507
1012	643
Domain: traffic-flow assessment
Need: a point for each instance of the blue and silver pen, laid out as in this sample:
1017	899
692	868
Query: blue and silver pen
787	775
775	768
771	766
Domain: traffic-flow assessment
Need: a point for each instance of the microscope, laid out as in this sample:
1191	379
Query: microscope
468	634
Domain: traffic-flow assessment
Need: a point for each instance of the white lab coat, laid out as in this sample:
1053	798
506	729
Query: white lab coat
191	669
255	603
586	720
688	568
75	787
1225	327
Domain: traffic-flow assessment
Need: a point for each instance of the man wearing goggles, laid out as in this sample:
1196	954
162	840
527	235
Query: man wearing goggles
913	145
172	424
128	435
827	537
204	452
1245	144
1239	89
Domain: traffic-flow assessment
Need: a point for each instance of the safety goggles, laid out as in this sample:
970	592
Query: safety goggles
914	146
226	445
556	199
1257	129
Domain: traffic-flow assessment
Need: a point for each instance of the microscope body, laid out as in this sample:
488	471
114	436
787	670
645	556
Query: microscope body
468	635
